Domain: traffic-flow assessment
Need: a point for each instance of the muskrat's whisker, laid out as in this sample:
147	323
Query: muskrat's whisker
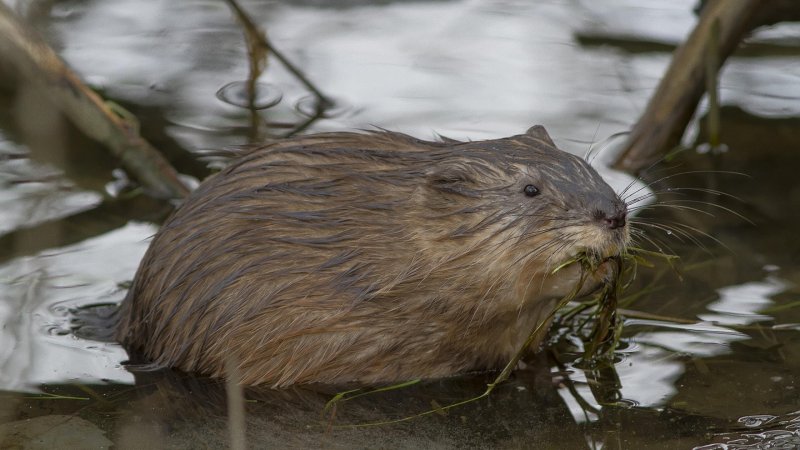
697	189
640	178
715	205
689	172
678	229
679	234
677	191
539	216
652	240
526	235
653	193
632	203
504	275
636	232
644	196
669	231
501	276
533	253
495	247
564	241
671	206
546	269
556	245
679	205
630	185
646	170
547	246
701	232
588	157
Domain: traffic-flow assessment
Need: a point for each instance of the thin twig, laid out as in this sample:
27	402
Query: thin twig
255	32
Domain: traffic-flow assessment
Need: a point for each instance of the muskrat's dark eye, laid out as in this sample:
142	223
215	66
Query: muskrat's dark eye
531	190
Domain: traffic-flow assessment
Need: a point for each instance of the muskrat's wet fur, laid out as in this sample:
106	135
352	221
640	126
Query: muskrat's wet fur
368	258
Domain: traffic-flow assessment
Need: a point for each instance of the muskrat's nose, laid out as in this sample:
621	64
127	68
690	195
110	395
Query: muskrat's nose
616	220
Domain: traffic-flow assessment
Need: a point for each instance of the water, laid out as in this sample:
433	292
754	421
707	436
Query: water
462	69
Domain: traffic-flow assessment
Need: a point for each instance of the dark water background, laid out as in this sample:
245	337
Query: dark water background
464	69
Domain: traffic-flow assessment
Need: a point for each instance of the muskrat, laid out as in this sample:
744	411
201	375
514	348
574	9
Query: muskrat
368	258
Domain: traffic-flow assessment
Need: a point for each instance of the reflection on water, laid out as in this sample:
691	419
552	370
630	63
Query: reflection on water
784	433
739	305
35	301
464	69
237	93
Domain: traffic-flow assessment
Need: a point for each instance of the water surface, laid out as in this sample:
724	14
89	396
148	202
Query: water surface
463	69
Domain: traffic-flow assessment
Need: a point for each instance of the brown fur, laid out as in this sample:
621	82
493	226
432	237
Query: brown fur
367	258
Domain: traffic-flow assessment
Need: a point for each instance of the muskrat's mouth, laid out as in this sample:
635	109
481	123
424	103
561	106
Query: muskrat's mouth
593	260
606	247
606	253
598	261
597	254
599	270
593	244
588	258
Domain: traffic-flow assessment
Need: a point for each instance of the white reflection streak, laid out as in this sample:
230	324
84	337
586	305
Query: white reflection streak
650	378
739	305
68	277
16	340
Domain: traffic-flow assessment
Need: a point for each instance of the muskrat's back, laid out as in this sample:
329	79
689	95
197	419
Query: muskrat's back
367	258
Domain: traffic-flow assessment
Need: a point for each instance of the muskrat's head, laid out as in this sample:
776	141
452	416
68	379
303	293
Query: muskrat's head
537	205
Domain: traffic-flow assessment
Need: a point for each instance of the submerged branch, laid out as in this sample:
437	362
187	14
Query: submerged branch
675	99
34	62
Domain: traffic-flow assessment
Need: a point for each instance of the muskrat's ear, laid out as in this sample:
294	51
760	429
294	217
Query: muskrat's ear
540	133
454	179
